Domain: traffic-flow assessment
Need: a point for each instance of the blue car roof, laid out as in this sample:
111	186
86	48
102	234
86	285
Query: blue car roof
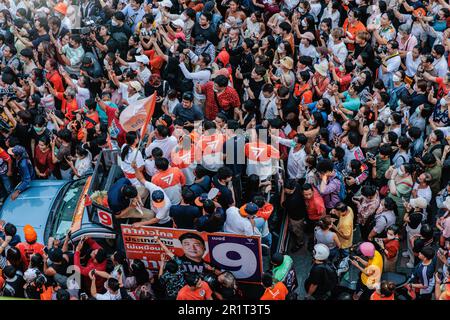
32	206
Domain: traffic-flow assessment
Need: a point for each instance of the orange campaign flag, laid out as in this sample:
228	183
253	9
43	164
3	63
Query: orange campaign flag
150	109
138	115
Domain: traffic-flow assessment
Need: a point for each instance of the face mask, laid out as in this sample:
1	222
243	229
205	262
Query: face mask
280	50
2	21
443	102
172	49
396	78
302	11
311	121
114	23
390	236
184	17
358	64
358	2
371	126
389	122
38	130
304	24
341	68
400	172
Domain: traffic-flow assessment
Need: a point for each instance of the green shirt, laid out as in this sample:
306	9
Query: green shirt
436	173
350	103
382	167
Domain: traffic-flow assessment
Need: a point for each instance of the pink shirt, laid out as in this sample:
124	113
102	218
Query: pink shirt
408	45
446	226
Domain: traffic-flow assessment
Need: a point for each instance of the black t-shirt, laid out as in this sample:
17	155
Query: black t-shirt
192	266
209	33
22	132
184	216
225	196
320	275
172	72
256	87
294	203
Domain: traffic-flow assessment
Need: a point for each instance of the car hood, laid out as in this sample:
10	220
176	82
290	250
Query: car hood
32	206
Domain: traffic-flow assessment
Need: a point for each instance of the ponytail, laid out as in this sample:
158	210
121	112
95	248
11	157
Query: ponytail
130	139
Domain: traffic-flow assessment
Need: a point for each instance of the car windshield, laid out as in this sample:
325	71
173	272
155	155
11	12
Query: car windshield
64	212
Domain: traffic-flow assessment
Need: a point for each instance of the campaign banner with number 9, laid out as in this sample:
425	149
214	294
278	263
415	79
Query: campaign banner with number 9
238	254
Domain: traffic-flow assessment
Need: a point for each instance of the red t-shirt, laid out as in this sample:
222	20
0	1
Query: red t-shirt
443	89
116	131
377	296
27	250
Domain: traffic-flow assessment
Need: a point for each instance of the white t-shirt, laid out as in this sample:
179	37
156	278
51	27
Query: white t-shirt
82	95
296	167
161	213
424	193
108	296
441	67
268	107
339	50
166	145
237	224
126	164
411	64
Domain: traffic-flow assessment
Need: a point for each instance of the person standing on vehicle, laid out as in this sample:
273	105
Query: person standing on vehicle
160	204
25	168
322	278
30	246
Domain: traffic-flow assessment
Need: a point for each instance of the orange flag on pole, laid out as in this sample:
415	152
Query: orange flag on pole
150	109
138	115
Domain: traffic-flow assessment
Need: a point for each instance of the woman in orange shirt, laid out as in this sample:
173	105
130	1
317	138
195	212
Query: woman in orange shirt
351	27
384	292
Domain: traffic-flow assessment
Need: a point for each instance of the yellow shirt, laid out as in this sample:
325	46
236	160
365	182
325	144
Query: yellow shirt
345	226
375	264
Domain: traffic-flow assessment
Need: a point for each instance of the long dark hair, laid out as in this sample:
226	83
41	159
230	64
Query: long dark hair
130	139
140	272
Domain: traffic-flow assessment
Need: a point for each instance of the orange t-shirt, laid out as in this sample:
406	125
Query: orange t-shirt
279	292
169	178
202	293
353	30
67	107
377	296
27	250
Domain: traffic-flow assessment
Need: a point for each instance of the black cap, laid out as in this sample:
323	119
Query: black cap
158	196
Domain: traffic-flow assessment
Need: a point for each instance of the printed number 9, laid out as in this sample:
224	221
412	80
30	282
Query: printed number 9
247	262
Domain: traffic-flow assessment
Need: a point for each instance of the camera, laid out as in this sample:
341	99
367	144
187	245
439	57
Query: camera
370	156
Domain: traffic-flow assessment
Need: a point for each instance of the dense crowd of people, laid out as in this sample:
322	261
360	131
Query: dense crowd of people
333	113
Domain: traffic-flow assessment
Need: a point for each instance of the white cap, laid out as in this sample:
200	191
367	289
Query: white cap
135	85
143	59
321	252
418	203
167	3
179	23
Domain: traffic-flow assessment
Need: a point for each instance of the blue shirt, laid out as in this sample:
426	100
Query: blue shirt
201	187
26	172
116	201
132	16
184	215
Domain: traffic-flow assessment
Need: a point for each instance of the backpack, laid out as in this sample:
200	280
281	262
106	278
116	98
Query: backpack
331	275
342	189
